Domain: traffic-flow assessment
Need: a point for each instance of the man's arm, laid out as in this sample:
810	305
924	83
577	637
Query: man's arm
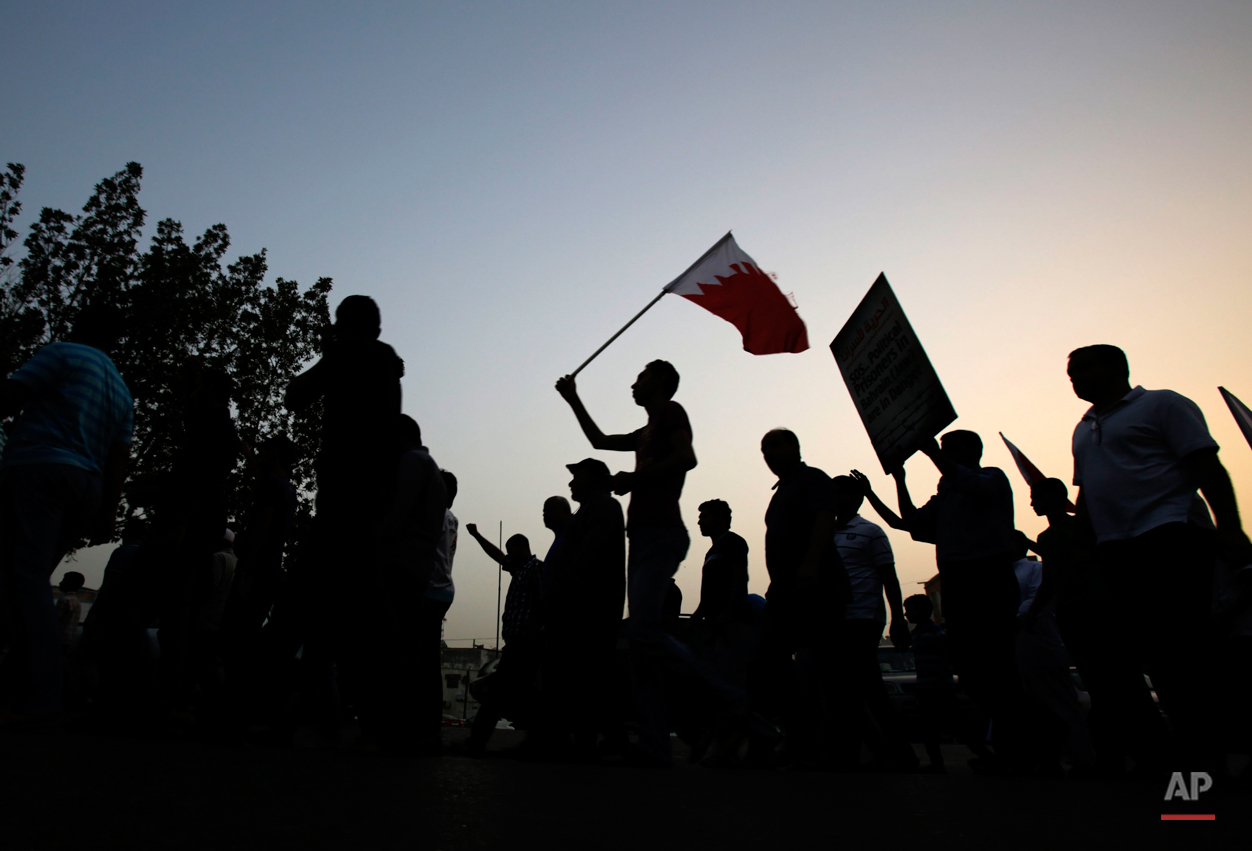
599	440
492	551
115	466
1205	469
680	458
305	388
899	630
908	511
889	517
823	536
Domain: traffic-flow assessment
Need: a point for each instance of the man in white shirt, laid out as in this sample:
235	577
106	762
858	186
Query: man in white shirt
870	565
1139	458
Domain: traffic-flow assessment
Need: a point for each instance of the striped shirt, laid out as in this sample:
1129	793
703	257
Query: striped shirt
79	407
863	547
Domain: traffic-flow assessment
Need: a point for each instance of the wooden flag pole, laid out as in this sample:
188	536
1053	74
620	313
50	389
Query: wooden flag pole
666	289
618	334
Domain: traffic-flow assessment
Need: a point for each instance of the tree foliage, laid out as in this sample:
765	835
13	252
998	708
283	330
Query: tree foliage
187	309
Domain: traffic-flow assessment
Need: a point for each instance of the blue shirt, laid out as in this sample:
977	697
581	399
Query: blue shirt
79	407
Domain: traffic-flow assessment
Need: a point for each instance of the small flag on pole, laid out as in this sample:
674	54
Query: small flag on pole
1029	471
1243	416
730	284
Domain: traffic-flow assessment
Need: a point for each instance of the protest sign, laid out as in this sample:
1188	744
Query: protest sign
893	385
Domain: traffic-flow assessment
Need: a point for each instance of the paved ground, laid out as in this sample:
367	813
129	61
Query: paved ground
65	789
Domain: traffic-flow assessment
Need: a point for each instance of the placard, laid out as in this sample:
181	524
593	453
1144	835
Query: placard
893	385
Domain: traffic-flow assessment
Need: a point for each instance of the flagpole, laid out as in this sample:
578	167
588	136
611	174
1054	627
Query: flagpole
666	289
618	334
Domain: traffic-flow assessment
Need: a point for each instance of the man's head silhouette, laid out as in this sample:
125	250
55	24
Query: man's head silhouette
556	513
714	518
781	450
1048	496
656	384
963	447
1100	374
357	318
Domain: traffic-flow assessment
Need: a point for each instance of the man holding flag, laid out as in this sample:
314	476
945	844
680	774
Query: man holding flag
658	538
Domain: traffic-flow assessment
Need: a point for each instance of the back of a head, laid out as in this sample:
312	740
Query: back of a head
518	546
848	492
358	317
783	438
72	581
963	444
666	376
1108	358
450	485
920	606
409	433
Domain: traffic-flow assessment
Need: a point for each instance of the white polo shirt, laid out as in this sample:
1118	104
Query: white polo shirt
863	547
1127	462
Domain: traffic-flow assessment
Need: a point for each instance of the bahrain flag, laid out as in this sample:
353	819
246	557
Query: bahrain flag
728	282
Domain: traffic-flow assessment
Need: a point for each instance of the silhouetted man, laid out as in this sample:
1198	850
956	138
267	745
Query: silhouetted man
60	478
556	515
394	656
658	538
808	590
722	615
970	522
432	610
512	694
870	564
584	605
334	582
1139	457
1123	717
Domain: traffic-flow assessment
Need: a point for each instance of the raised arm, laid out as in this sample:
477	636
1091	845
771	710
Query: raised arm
889	517
598	439
492	551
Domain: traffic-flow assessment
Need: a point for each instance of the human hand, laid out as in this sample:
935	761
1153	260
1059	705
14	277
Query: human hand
862	480
567	388
929	447
623	482
472	528
1236	547
901	638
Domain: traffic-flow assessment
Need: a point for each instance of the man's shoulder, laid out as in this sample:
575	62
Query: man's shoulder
672	415
731	543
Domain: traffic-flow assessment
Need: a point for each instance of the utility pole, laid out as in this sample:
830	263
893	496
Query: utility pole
499	585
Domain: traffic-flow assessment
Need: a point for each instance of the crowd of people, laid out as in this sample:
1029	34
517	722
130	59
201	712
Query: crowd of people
259	633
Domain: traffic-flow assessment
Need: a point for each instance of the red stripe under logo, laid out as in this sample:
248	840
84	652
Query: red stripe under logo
1188	817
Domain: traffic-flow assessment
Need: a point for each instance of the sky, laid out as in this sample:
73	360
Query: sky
513	181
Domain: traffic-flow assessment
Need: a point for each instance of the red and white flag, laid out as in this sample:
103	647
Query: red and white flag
1029	471
1242	415
729	283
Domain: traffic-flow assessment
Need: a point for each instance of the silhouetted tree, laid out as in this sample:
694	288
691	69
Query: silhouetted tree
186	311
